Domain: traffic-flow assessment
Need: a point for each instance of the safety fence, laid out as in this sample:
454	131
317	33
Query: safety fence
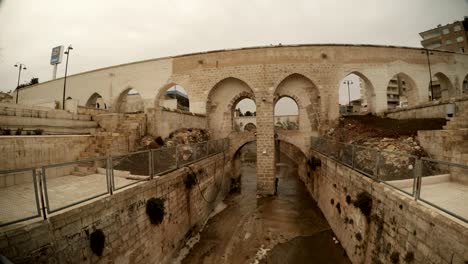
441	184
37	192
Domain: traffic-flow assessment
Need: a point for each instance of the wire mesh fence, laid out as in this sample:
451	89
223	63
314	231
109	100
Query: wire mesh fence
443	185
19	199
35	192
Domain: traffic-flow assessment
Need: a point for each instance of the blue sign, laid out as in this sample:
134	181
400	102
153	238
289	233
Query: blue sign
56	57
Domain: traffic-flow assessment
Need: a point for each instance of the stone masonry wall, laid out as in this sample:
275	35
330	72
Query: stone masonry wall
397	230
129	235
19	152
429	110
162	123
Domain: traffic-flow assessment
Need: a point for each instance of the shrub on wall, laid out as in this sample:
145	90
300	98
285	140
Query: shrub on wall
19	131
155	210
314	163
38	131
6	131
190	180
364	203
97	240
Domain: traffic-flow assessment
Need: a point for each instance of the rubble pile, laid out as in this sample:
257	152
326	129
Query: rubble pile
187	136
395	139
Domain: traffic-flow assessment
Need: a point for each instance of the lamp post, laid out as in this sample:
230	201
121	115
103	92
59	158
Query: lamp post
430	73
348	82
65	79
21	67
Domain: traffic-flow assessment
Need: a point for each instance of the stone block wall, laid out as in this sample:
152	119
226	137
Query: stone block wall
163	122
397	229
20	152
429	110
129	235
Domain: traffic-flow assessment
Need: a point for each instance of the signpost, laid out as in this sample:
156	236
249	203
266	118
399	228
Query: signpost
55	59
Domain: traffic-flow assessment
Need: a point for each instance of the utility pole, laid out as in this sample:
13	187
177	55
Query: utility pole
65	79
348	82
21	67
430	73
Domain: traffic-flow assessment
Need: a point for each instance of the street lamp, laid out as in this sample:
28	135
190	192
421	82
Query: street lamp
21	67
65	79
348	82
430	73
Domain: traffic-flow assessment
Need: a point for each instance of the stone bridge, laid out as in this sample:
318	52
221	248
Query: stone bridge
216	81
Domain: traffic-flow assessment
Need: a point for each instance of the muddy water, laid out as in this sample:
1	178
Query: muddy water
287	228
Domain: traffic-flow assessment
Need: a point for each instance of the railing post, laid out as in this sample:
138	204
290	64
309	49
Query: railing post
177	156
150	163
41	195
353	153
417	179
111	174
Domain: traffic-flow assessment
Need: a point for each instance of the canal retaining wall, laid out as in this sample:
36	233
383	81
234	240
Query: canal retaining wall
129	235
377	224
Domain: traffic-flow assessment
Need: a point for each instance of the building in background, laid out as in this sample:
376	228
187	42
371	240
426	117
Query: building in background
451	37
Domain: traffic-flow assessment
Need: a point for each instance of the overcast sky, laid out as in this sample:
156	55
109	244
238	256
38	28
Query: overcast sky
105	33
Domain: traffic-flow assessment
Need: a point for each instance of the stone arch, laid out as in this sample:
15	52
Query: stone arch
96	101
221	101
128	102
250	127
306	95
442	87
161	95
402	87
369	89
287	122
464	89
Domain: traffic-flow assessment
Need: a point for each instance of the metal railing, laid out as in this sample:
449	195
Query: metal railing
423	179
38	192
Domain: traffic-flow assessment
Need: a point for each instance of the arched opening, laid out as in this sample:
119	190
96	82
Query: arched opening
223	101
401	92
465	86
251	127
244	114
286	114
175	98
356	95
291	165
244	164
297	95
130	101
441	88
96	101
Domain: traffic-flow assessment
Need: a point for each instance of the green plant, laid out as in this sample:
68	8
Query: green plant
364	203
38	131
190	180
19	131
97	240
6	131
155	210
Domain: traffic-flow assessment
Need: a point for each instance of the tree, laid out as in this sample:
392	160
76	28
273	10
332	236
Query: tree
248	113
